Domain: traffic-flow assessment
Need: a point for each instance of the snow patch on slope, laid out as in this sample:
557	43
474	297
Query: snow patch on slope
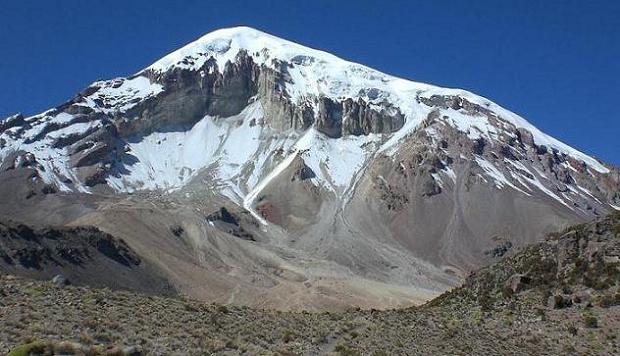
249	199
54	163
336	161
168	160
121	94
498	177
474	126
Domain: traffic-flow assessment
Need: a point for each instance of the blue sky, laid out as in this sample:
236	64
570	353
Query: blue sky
557	63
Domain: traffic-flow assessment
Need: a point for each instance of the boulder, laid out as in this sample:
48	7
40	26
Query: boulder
517	282
60	281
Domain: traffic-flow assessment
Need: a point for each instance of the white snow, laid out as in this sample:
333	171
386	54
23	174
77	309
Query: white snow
588	193
535	181
518	165
62	118
538	184
74	128
54	162
474	126
437	179
244	158
498	177
251	196
122	94
336	161
315	73
450	173
168	160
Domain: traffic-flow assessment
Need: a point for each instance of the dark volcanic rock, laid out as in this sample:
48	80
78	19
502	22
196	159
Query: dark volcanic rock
57	246
80	254
349	117
303	173
223	215
190	95
359	118
229	223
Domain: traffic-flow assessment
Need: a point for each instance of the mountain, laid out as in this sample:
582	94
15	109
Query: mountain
252	170
560	296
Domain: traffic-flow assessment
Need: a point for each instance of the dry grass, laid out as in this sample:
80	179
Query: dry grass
478	318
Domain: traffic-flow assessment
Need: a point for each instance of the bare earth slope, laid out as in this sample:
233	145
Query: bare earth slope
561	296
347	186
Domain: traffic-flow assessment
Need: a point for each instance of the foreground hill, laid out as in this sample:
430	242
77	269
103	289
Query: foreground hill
560	296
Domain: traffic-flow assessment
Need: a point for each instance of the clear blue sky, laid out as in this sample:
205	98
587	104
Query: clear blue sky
557	63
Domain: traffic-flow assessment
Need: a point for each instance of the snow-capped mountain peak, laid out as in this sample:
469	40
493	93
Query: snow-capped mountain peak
239	101
318	73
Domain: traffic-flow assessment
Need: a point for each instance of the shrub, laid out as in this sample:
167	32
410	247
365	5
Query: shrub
486	302
66	348
590	321
380	353
541	313
572	330
546	294
36	347
288	336
345	350
607	301
507	292
559	302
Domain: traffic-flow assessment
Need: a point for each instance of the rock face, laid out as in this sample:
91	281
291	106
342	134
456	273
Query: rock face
190	95
340	166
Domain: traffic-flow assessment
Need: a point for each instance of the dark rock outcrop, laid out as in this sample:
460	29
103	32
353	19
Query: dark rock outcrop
83	255
360	118
349	117
190	95
226	221
36	248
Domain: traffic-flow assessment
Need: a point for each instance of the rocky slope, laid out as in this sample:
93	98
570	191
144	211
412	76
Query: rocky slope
85	255
561	296
348	186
